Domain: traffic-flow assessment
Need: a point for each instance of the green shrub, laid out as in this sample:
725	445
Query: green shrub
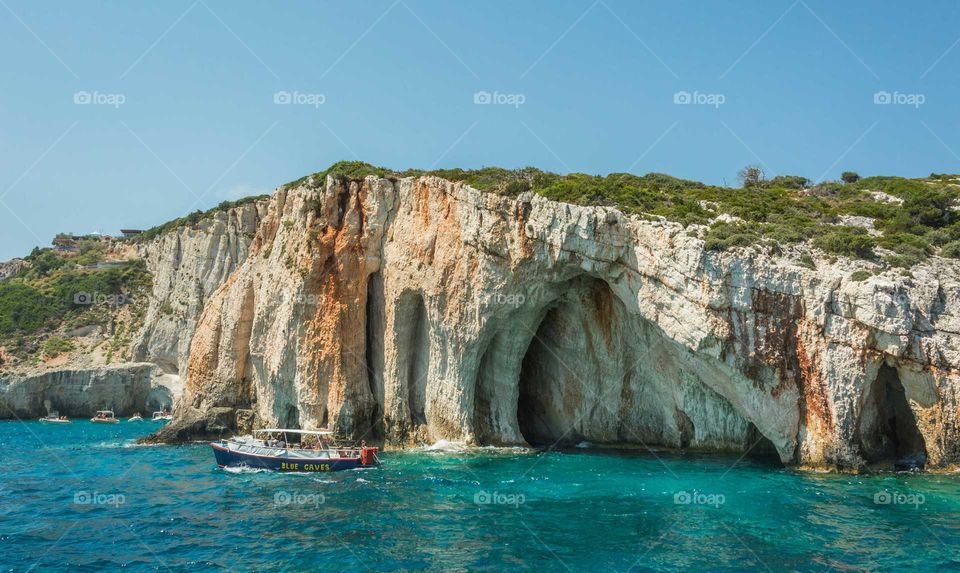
860	276
849	177
902	261
43	262
911	246
847	241
55	346
31	305
951	250
788	182
723	236
92	251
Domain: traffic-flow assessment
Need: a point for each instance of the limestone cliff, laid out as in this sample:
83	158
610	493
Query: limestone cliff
416	309
188	264
124	388
134	361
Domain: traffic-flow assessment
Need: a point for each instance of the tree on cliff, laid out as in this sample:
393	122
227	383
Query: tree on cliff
751	176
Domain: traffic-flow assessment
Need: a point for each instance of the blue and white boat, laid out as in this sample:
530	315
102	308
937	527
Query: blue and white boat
292	451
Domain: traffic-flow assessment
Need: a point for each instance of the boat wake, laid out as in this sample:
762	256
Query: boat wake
448	447
444	446
243	470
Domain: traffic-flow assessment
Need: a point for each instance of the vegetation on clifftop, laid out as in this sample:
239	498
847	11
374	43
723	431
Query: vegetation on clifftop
55	295
907	219
195	217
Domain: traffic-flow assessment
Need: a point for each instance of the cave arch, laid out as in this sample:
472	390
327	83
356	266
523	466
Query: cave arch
577	365
888	432
574	362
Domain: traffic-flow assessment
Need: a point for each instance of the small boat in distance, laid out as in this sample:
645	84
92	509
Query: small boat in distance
104	417
135	418
55	418
162	416
292	451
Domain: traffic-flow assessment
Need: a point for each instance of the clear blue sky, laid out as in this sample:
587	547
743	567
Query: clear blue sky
198	123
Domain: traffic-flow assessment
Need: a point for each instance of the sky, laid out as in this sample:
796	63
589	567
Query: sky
128	114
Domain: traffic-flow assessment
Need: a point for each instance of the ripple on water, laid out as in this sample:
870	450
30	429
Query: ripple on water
450	507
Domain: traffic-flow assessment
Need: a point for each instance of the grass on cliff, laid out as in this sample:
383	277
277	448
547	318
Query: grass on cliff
51	296
194	218
783	210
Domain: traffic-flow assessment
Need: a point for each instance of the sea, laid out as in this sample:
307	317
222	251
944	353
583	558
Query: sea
86	497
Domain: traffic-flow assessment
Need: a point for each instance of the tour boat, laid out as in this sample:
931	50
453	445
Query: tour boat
292	451
135	418
104	417
162	416
55	418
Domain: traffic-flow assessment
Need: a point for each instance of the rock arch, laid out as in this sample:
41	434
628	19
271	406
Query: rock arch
887	430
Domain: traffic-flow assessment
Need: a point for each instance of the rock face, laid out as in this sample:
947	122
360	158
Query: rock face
187	265
417	310
123	388
11	268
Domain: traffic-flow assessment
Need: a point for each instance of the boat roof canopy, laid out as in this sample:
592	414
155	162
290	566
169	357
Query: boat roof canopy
104	411
303	432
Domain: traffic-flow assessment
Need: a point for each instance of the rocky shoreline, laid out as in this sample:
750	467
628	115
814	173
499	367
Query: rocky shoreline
413	310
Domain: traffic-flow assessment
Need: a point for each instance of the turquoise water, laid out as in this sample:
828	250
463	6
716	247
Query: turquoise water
83	497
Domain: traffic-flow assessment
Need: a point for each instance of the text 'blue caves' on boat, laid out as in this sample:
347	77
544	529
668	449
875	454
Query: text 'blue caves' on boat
292	451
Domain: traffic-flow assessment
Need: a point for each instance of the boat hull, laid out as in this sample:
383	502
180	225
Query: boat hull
231	458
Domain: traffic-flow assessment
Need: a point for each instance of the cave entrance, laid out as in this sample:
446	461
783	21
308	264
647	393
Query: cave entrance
760	449
888	428
291	418
532	415
413	360
373	349
575	358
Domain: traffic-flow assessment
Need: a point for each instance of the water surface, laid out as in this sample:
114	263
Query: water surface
82	496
